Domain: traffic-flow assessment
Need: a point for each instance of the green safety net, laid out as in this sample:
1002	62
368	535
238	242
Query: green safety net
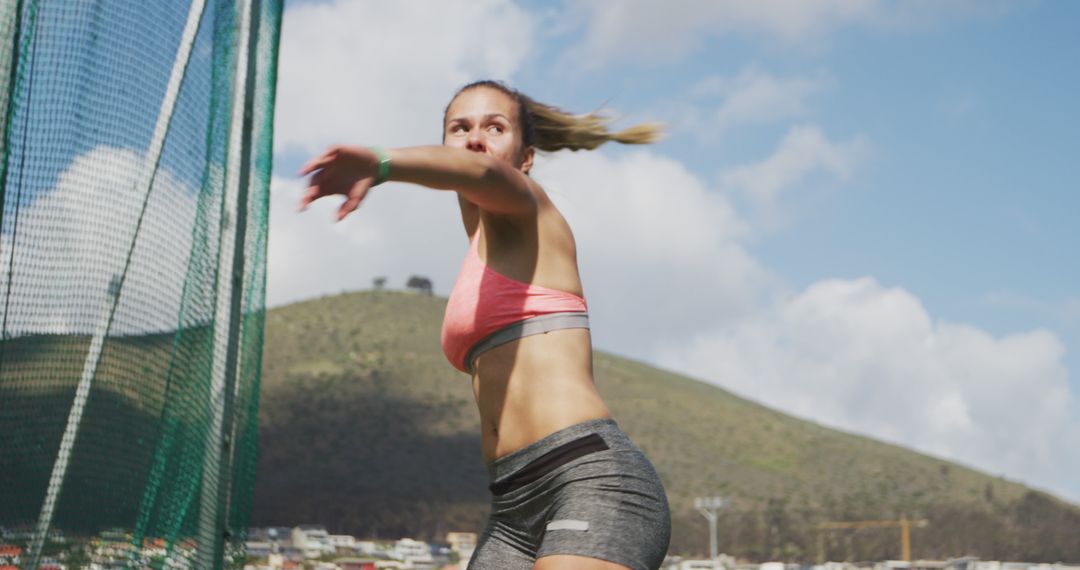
134	173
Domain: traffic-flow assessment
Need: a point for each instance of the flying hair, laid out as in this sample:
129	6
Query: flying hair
549	128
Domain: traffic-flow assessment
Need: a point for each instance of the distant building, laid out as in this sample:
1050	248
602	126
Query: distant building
995	565
678	563
838	566
461	541
259	548
692	565
341	542
413	552
314	541
357	563
291	553
464	544
916	565
274	534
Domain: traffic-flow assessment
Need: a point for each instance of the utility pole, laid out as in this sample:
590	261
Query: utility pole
710	508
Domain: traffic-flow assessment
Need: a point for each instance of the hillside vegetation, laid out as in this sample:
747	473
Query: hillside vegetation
365	428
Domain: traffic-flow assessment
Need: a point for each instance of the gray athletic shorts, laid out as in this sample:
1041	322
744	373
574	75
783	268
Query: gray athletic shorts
585	490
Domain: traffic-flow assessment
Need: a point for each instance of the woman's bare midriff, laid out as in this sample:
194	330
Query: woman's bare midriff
530	388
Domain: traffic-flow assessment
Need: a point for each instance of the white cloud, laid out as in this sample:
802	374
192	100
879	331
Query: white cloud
858	356
651	33
73	239
804	150
397	232
753	96
644	224
382	72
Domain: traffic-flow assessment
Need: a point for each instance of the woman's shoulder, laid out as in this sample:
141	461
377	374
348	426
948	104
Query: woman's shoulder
547	223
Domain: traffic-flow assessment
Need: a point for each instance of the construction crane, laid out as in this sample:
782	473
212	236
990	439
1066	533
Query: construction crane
904	524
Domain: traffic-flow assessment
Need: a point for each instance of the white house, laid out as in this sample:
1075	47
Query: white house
694	565
346	541
314	541
412	551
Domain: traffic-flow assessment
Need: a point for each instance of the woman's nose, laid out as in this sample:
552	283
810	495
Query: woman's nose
475	142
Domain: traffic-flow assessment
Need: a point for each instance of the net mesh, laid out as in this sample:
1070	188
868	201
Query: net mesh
134	173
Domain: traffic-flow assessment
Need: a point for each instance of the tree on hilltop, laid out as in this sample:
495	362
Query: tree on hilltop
419	284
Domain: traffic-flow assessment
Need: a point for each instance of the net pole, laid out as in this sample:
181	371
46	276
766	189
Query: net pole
241	266
93	356
9	36
10	23
228	308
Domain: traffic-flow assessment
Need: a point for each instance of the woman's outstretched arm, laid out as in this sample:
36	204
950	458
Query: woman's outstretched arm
492	184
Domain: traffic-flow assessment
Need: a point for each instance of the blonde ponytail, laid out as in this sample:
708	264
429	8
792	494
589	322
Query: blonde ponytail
555	129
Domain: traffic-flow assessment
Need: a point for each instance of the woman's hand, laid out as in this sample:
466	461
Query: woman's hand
347	170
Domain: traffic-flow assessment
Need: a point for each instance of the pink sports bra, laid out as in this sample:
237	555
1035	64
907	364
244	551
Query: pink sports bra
487	309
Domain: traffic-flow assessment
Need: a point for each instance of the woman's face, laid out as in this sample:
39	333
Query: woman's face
485	120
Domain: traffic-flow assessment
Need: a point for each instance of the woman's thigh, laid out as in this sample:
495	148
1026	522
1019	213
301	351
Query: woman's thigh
570	562
496	551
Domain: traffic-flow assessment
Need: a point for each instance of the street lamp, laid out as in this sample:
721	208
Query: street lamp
710	508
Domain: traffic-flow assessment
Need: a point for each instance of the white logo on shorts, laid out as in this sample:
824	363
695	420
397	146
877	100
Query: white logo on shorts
568	524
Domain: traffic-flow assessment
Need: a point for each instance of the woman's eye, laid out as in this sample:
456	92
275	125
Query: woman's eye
496	129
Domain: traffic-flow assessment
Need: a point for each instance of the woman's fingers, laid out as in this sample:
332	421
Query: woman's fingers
319	161
310	195
355	196
347	207
316	163
317	188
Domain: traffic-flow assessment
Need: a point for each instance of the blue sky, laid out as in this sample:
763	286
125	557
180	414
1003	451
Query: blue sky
862	215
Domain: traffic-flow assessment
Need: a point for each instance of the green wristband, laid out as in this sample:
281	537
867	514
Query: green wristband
384	164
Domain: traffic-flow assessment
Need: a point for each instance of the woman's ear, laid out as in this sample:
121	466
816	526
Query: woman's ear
527	159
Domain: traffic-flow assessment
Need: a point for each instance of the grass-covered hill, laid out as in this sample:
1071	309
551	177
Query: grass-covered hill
364	427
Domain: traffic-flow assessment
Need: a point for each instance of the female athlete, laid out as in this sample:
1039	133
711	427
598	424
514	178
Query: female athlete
569	489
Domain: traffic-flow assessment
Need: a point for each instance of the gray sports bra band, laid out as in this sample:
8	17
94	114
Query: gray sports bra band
528	327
